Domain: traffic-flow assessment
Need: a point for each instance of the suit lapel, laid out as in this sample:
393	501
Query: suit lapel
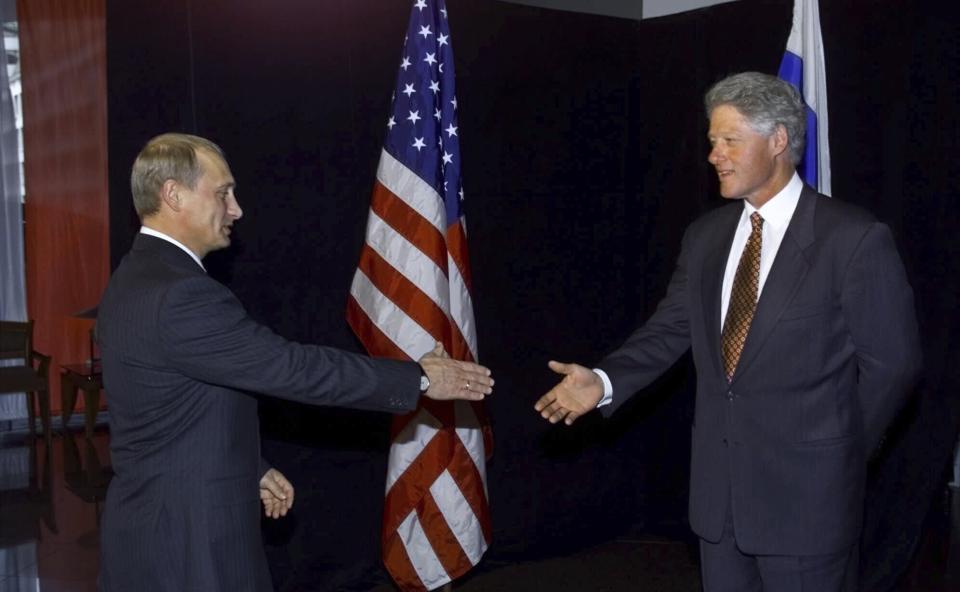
789	268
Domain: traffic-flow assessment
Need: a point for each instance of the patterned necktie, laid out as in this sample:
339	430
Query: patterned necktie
743	298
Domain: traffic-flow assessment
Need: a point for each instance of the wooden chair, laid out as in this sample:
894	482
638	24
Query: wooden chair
31	377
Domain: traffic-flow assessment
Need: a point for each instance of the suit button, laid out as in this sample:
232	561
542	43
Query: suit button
725	443
730	395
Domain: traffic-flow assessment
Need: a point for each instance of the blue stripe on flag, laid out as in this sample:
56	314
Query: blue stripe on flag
791	70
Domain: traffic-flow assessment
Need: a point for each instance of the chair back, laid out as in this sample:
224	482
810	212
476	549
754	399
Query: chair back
16	340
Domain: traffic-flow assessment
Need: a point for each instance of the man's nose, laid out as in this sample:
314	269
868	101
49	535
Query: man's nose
716	155
235	210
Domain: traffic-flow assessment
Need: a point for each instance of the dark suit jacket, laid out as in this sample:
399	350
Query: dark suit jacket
179	352
830	356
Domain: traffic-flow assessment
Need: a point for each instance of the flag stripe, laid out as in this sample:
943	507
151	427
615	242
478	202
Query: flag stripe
410	224
427	450
457	244
376	343
460	517
470	431
461	313
408	259
392	321
437	525
412	483
410	443
410	188
404	294
395	555
417	544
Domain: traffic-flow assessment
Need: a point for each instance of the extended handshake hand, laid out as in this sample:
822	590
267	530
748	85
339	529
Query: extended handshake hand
579	392
452	379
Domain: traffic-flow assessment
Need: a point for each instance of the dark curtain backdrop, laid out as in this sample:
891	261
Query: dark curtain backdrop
584	157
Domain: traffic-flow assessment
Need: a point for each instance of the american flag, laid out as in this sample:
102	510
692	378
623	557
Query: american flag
412	289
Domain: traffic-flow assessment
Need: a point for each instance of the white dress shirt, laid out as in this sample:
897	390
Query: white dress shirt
776	214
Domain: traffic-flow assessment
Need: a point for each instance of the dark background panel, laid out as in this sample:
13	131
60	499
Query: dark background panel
584	147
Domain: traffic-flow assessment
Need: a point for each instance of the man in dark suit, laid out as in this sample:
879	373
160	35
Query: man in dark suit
804	337
180	359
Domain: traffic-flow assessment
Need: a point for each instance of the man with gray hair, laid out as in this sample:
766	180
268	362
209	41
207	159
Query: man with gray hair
181	359
801	321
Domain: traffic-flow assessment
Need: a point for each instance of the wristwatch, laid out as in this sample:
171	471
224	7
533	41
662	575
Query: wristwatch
424	381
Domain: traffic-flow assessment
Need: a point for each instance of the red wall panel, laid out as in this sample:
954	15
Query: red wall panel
63	61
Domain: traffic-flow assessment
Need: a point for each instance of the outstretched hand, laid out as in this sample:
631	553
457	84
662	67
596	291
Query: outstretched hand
276	493
579	392
453	379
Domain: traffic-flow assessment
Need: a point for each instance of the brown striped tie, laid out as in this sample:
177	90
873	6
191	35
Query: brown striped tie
743	298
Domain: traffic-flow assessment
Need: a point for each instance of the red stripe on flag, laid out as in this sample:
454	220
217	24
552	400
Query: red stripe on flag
457	245
374	340
410	224
398	563
445	544
470	482
414	483
445	451
481	413
407	296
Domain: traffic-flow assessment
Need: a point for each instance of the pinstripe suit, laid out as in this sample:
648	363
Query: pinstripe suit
179	352
829	359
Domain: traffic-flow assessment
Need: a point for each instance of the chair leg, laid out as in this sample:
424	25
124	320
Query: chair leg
31	415
44	399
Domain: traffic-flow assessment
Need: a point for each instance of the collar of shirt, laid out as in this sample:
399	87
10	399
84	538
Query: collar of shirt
776	214
778	211
150	231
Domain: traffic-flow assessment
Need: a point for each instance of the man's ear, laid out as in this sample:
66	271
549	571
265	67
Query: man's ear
780	140
170	194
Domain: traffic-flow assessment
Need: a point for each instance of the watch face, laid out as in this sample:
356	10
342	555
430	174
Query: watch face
424	383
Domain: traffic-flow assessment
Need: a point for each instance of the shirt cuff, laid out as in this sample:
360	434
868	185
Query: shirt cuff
607	388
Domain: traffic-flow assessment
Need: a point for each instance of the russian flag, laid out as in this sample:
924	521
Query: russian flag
803	67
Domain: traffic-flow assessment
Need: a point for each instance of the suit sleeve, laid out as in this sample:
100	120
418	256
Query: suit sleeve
656	345
877	304
207	335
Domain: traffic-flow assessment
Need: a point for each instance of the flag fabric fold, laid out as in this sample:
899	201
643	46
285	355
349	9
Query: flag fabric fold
412	289
803	66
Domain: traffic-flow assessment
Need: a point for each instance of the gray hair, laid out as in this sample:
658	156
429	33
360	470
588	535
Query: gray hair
766	102
165	157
